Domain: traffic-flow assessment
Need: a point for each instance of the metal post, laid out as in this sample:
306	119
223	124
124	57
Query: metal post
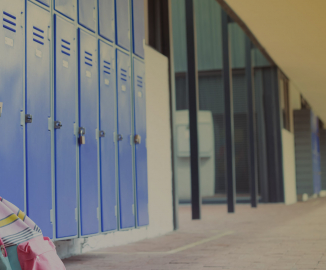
229	134
251	126
192	80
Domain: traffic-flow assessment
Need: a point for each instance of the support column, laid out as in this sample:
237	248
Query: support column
192	79
229	126
251	126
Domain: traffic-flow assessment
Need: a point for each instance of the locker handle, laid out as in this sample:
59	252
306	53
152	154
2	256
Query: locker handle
101	134
57	125
120	138
1	106
49	33
137	139
28	118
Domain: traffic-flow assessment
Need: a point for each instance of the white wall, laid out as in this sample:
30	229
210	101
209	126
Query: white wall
159	166
290	190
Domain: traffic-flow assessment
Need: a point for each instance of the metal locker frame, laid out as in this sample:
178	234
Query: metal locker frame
11	125
85	19
40	36
138	27
102	5
65	52
108	142
122	26
140	129
123	73
89	59
131	56
64	9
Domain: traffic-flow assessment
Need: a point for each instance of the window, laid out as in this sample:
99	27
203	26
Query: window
285	102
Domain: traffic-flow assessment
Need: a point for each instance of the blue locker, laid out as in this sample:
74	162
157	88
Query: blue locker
140	143
66	7
108	125
106	19
138	27
123	24
65	139
45	2
87	14
11	95
38	136
126	190
88	119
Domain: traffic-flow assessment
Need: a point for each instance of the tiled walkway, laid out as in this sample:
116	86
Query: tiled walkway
270	237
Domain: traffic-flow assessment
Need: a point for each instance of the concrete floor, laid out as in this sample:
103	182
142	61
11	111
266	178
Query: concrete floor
273	236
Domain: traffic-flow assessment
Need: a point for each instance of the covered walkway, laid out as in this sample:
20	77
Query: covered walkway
274	236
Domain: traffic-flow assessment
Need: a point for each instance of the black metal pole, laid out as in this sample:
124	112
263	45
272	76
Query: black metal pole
228	101
251	126
192	80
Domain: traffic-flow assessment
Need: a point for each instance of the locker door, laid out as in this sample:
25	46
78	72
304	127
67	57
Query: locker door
88	115
138	27
87	14
126	191
66	7
108	125
65	139
106	19
11	95
38	136
123	24
45	2
140	143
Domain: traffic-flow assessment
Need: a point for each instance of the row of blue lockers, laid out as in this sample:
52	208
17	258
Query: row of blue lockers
96	152
113	19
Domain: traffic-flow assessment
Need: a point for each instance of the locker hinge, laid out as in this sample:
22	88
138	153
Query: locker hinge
50	124
115	137
76	214
98	213
52	216
1	106
22	118
133	209
96	134
131	140
116	210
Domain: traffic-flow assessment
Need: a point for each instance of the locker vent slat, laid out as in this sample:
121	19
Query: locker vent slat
37	41
9	22
38	35
123	74
140	81
106	72
65	47
88	58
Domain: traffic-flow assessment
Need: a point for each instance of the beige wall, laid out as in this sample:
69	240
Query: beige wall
159	166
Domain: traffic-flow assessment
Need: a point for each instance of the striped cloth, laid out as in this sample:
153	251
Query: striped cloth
15	226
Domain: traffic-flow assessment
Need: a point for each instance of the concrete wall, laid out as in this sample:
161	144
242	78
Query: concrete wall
159	166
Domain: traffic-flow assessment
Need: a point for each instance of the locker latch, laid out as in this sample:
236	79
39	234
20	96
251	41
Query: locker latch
120	138
57	125
28	118
101	134
137	139
1	106
82	132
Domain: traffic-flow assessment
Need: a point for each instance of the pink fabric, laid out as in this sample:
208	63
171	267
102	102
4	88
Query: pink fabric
39	254
3	249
